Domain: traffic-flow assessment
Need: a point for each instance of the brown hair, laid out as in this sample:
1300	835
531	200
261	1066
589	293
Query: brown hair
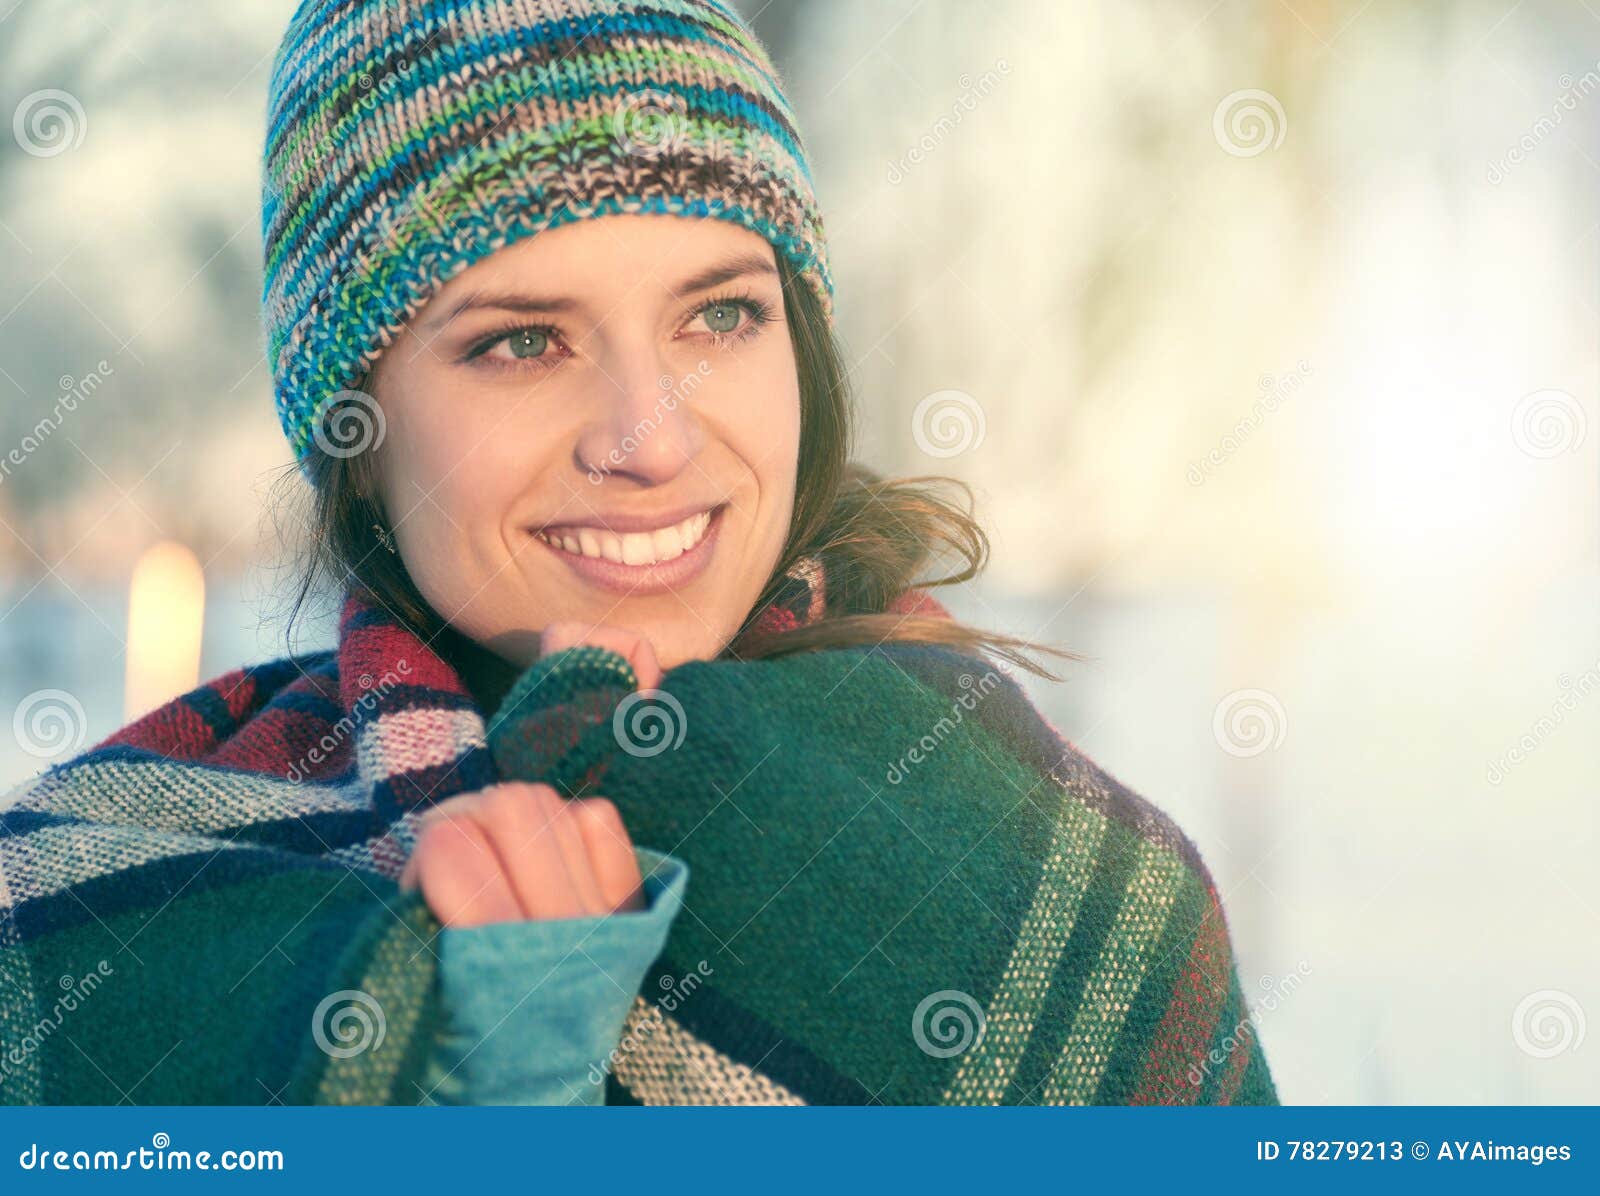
874	536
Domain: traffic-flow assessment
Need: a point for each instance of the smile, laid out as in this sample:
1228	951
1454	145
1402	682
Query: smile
630	548
637	554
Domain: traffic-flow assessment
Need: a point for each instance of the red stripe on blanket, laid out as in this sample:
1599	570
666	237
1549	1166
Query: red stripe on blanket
377	659
240	693
1176	1065
176	729
1238	1062
290	743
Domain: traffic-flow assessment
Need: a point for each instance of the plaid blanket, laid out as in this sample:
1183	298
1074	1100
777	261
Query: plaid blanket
906	888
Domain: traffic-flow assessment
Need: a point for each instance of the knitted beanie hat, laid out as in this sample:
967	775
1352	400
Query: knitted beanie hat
407	139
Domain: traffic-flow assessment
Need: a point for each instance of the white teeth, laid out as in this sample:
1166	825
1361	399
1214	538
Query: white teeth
667	544
632	548
637	549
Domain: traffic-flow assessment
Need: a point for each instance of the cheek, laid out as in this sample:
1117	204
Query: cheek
769	428
783	449
431	430
445	471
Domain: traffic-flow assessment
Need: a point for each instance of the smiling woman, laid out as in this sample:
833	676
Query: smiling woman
550	321
672	429
500	406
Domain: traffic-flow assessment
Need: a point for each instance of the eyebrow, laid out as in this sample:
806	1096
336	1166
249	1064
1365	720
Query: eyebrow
739	266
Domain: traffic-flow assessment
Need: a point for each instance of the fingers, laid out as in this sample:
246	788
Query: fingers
645	666
409	875
545	855
638	650
461	876
616	868
518	851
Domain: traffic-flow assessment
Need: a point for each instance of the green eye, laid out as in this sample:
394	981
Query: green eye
529	342
722	317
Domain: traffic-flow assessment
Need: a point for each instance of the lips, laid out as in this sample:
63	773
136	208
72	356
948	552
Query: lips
637	554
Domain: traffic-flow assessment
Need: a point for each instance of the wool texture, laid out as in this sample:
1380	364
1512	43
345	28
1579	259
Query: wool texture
407	139
906	888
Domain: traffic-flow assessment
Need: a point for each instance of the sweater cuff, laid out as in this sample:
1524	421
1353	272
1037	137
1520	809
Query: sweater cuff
531	1009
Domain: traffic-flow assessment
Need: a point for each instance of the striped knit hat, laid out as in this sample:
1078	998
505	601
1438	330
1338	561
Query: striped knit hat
407	139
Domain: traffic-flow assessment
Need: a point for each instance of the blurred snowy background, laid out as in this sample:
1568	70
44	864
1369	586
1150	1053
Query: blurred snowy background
1266	330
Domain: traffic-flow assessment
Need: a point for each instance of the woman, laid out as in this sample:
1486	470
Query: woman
549	315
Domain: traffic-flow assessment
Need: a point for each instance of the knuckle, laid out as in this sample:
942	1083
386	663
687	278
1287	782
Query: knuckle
510	802
597	809
432	833
498	800
446	838
602	814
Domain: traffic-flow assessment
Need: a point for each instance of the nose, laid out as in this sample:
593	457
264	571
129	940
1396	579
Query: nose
644	425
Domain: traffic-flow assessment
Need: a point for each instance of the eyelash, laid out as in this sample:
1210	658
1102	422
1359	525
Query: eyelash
760	312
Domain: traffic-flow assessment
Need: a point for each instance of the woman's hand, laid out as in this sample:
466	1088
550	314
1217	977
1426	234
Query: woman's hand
516	850
638	650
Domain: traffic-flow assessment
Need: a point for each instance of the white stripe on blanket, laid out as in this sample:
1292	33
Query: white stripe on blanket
141	793
661	1063
422	738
